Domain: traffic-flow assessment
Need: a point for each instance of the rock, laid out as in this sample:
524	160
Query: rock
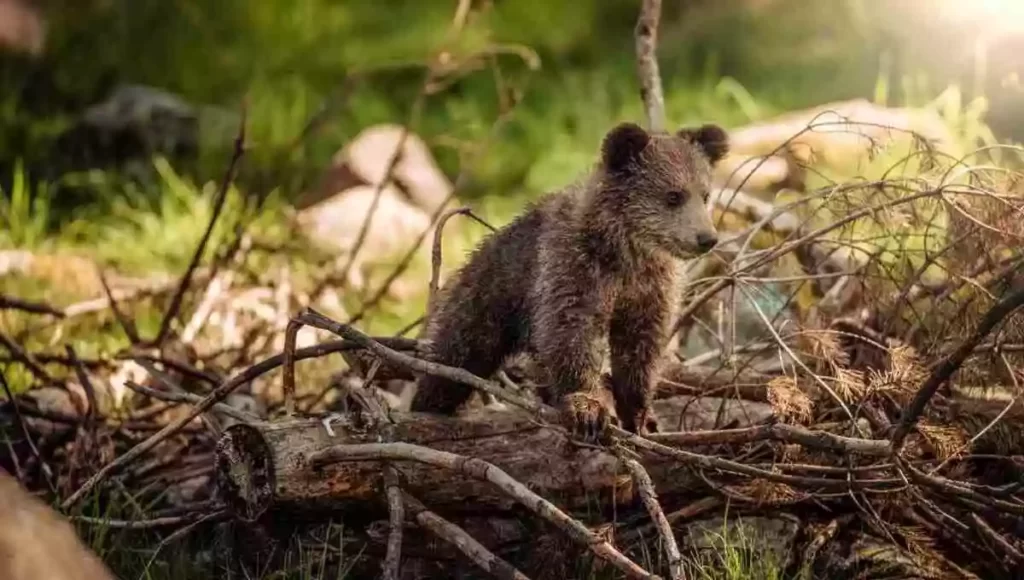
333	213
752	174
36	542
22	27
416	172
53	401
334	224
134	123
842	130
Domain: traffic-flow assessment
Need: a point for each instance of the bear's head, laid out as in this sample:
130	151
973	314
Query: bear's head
659	185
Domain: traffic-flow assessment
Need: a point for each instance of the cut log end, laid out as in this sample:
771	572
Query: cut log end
245	472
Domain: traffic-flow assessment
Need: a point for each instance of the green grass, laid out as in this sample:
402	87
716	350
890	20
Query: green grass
24	214
735	553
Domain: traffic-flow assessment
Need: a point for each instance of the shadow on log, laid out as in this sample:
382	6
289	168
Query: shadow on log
266	466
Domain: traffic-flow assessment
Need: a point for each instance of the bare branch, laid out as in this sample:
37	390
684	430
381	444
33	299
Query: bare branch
646	34
396	520
313	318
458	537
47	472
189	398
483	470
996	538
650	499
291	332
153	523
952	363
87	386
19	354
218	207
126	323
779	432
11	303
435	266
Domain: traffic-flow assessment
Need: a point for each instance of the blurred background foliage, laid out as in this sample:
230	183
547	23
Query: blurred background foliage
569	64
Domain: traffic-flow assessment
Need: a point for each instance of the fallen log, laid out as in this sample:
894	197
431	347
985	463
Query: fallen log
267	466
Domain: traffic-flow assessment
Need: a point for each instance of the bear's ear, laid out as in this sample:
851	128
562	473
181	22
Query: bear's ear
712	140
622	145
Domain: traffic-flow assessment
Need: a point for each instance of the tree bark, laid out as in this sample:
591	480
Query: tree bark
266	465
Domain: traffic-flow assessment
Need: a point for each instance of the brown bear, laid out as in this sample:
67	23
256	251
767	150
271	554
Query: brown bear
592	269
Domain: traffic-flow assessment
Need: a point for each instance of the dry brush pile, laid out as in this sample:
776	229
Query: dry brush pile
855	397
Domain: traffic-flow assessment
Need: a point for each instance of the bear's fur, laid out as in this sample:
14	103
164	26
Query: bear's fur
591	269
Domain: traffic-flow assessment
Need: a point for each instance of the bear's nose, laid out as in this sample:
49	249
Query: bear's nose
706	241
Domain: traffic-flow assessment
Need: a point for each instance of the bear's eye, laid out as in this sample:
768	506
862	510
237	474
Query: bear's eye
675	198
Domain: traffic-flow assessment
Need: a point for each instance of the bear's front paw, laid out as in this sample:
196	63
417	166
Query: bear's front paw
587	415
642	422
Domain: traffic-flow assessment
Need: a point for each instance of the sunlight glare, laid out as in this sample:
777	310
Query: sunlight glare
1001	15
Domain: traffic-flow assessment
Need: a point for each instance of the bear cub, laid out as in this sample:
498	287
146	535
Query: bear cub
590	270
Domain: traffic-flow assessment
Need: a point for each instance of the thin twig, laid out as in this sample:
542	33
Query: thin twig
691	510
148	524
364	396
712	462
414	113
87	386
143	358
18	354
409	327
458	537
152	288
218	207
209	419
952	363
997	538
47	472
188	398
313	318
790	246
779	432
959	489
291	332
392	567
480	469
217	287
650	499
410	254
435	265
15	462
11	303
126	323
770	327
378	188
217	516
995	421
